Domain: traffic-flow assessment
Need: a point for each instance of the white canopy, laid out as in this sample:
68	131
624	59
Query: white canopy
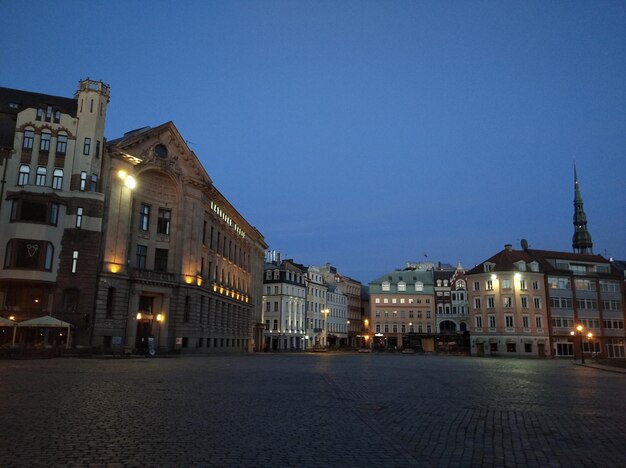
6	322
47	321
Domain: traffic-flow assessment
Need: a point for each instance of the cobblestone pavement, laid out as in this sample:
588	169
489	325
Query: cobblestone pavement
325	410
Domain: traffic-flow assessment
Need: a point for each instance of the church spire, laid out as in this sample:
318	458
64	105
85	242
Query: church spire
581	241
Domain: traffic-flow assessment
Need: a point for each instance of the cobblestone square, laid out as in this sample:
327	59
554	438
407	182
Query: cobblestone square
273	410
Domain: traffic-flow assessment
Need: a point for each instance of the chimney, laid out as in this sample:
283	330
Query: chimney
508	247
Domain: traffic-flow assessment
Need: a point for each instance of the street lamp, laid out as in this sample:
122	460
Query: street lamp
325	312
579	332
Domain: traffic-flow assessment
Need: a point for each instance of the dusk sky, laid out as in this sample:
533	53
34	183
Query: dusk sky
364	133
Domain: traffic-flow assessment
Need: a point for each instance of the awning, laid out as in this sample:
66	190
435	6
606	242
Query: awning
4	322
47	321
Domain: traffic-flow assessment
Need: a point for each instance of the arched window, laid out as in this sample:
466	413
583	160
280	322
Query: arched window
61	144
40	178
57	179
44	144
29	137
23	175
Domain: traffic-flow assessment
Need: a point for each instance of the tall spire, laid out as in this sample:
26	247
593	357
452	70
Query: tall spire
581	241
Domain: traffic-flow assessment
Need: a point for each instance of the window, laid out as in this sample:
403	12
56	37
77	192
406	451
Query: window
97	148
492	321
57	179
508	301
535	285
57	116
429	329
87	146
36	210
110	299
29	254
491	302
401	286
74	261
203	233
79	217
479	321
419	286
386	285
83	180
609	286
506	284
522	284
187	310
40	178
489	285
163	222
54	214
144	217
48	113
61	144
22	178
142	253
524	300
556	282
539	322
29	138
508	320
476	286
94	183
44	144
537	302
39	115
160	260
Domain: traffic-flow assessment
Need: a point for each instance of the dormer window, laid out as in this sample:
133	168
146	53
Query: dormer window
401	286
386	285
419	286
521	265
460	284
534	266
488	266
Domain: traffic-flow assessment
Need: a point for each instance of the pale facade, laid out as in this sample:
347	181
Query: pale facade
336	316
180	266
402	309
51	205
315	304
507	303
284	306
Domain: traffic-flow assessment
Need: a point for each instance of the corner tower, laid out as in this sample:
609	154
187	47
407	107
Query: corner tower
581	241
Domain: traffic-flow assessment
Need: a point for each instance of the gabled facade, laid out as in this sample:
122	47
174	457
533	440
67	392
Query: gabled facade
402	308
284	306
51	206
180	266
450	299
508	313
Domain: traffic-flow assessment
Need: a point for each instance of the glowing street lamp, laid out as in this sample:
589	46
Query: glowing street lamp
579	332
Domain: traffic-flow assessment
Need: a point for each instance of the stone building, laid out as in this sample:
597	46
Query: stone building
51	207
402	308
284	304
180	265
315	305
507	306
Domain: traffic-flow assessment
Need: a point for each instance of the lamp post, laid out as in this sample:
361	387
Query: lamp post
579	331
325	312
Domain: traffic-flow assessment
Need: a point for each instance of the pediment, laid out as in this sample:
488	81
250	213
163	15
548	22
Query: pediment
162	147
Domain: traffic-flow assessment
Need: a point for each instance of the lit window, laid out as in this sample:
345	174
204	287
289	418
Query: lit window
74	261
79	217
83	180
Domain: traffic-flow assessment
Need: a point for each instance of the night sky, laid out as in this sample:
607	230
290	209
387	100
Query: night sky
364	133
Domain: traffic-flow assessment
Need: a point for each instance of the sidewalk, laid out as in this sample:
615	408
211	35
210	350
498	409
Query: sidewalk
619	370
